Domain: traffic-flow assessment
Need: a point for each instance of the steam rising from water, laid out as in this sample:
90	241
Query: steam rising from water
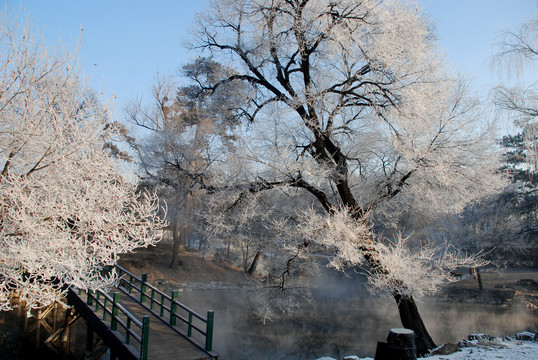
454	321
343	319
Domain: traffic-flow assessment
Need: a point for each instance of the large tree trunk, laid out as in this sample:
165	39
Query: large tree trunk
411	319
255	261
179	244
254	264
476	273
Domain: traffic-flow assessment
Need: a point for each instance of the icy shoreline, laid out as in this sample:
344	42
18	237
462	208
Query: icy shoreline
522	346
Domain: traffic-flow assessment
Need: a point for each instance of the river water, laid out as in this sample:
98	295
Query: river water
343	319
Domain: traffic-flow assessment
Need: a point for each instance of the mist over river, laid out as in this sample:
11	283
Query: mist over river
343	318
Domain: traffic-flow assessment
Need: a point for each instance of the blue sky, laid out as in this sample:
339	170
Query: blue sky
126	42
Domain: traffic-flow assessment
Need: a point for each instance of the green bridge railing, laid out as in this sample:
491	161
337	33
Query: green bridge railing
121	320
167	307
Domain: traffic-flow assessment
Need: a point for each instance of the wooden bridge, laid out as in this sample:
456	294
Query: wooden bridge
139	321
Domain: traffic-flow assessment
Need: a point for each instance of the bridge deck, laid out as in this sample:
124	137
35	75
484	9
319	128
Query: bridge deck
121	321
164	342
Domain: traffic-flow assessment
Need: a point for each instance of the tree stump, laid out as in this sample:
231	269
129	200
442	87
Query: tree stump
400	345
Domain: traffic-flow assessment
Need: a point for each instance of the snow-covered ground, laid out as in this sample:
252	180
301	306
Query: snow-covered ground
502	349
484	349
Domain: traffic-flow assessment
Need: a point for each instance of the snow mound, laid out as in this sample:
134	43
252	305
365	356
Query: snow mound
483	347
494	349
522	346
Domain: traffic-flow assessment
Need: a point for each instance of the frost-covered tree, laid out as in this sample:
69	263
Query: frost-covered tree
163	119
66	208
351	115
184	134
517	52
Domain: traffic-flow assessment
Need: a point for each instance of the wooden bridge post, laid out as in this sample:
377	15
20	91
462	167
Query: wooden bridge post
143	287
114	319
145	335
209	331
161	313
54	315
97	298
127	332
65	334
38	328
25	322
189	325
89	298
173	307
152	299
105	305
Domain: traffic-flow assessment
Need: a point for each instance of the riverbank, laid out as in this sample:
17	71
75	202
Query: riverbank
342	318
483	347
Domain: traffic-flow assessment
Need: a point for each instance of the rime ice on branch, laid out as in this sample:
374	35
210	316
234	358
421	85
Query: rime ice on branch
66	210
346	121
